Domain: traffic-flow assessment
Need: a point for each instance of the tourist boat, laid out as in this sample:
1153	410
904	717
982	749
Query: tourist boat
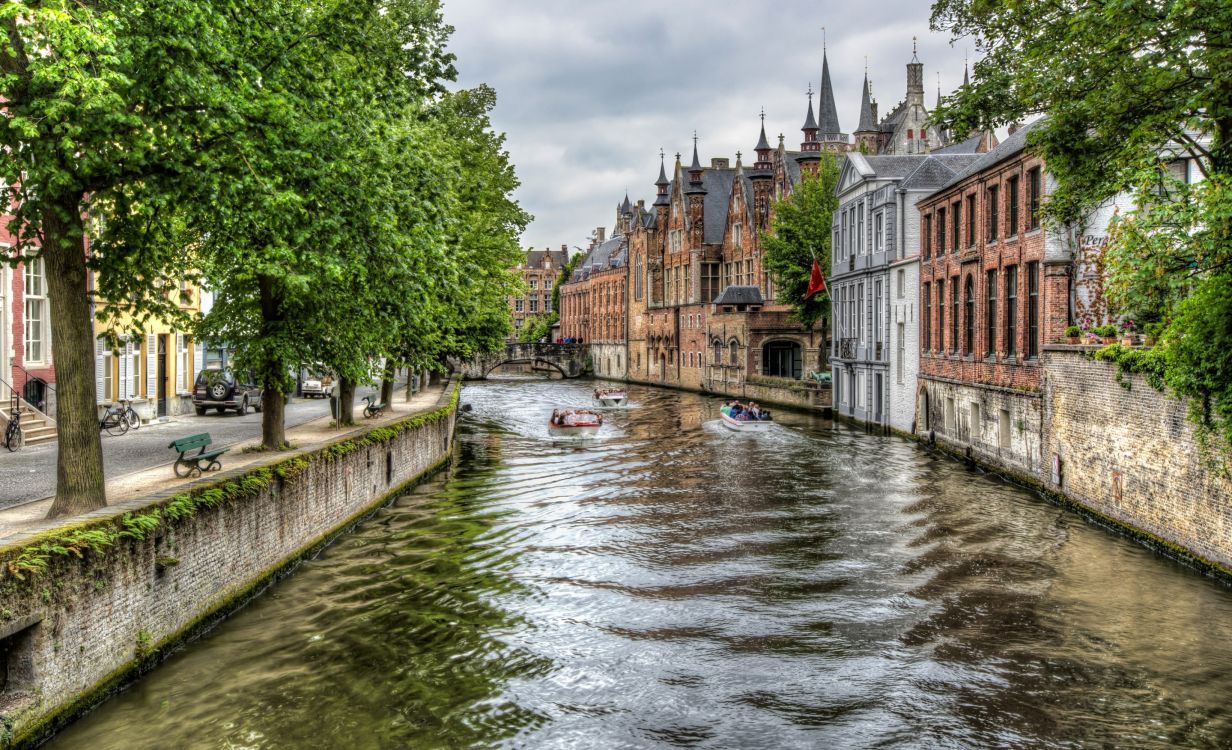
610	396
574	423
744	425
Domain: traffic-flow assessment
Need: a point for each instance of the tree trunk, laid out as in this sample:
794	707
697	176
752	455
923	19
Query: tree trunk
273	399
346	402
410	383
79	464
387	383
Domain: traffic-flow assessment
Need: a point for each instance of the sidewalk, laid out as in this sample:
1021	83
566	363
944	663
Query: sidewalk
305	437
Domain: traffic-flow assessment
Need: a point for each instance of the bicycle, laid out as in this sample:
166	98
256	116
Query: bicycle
113	421
14	438
130	415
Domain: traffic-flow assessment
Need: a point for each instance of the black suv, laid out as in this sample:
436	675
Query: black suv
222	390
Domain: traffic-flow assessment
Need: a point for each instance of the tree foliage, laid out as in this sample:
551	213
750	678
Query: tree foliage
799	233
303	159
1127	87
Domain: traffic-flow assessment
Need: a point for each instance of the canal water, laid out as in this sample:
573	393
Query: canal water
673	584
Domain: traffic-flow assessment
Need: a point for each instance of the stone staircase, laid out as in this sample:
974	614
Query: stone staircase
35	426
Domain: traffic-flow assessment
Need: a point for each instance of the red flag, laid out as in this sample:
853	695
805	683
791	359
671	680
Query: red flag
817	282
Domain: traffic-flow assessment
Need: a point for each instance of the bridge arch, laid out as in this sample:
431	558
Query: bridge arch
532	361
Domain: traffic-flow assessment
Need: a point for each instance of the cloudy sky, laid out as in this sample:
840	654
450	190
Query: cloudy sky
590	91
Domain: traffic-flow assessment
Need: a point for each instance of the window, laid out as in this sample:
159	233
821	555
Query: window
901	277
940	232
969	343
36	317
860	228
1013	208
877	312
518	305
990	315
674	241
879	232
1003	429
710	281
843	235
928	236
1011	310
941	315
108	374
955	226
902	350
971	220
637	278
547	303
859	312
1033	311
534	284
184	362
927	318
733	351
992	214
718	353
950	416
1033	197
954	314
737	235
975	421
534	304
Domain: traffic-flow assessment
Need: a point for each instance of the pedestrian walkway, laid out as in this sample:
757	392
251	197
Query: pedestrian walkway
305	437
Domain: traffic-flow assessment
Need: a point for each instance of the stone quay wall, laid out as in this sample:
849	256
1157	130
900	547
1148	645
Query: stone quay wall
1132	457
89	605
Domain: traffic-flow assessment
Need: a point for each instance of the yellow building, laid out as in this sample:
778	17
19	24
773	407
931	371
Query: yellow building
154	367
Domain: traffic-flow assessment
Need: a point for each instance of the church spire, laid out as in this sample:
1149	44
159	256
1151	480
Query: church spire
695	171
827	113
867	123
662	184
763	164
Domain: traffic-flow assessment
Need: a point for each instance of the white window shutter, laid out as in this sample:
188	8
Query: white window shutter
178	382
124	368
151	366
198	362
98	370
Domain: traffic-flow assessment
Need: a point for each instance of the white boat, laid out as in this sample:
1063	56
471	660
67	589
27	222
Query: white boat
577	423
746	425
611	396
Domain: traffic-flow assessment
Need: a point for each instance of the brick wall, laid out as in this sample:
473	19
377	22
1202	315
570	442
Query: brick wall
1132	456
81	625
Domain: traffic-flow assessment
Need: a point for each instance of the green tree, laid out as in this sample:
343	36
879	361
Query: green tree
113	111
1126	87
800	232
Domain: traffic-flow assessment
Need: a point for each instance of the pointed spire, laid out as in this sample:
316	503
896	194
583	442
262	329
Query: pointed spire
810	122
662	171
662	184
762	143
966	75
626	207
938	89
915	51
867	121
827	113
696	165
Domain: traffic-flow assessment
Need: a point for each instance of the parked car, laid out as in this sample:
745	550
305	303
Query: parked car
316	386
223	389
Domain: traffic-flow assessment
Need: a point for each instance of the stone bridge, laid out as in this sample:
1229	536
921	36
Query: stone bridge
567	359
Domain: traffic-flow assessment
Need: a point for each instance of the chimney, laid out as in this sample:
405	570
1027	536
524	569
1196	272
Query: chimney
875	120
565	249
1015	127
600	235
719	163
641	204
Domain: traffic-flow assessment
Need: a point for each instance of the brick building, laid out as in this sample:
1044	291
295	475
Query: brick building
539	273
994	287
593	300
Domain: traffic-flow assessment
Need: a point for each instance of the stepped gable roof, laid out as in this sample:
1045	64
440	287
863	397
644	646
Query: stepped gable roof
534	258
739	295
935	170
968	146
827	113
1007	149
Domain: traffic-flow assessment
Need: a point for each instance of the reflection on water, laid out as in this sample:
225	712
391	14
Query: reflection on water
670	583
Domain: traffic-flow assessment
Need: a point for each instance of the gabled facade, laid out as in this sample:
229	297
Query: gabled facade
539	273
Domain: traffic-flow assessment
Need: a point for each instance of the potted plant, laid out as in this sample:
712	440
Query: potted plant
1151	332
1107	333
1129	335
1073	335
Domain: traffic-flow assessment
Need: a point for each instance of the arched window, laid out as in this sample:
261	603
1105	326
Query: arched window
782	359
637	279
733	350
970	315
718	353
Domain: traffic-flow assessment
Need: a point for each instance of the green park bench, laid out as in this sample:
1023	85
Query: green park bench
372	407
193	464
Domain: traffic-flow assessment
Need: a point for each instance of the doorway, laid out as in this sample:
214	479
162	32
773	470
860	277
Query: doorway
161	359
877	398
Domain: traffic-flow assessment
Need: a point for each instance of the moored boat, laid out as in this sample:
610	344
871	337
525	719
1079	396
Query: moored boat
574	423
610	396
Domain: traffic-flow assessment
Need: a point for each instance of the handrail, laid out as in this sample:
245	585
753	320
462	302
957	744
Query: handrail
47	405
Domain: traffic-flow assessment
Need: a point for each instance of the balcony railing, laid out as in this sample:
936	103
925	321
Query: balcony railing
847	349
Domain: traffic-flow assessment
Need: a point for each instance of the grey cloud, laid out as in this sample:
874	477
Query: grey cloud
589	91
